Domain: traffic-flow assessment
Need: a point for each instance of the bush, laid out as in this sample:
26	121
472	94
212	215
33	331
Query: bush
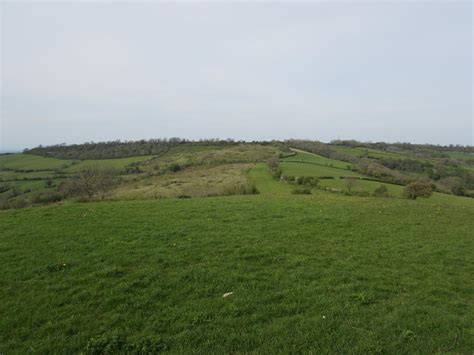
48	182
381	191
277	173
241	189
418	189
19	203
47	197
301	191
307	180
175	167
459	191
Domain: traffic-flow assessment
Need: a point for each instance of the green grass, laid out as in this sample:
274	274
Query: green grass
302	156
14	175
31	162
305	169
362	185
368	152
320	273
119	163
460	155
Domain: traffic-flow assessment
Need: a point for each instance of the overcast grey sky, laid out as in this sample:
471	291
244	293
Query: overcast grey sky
379	71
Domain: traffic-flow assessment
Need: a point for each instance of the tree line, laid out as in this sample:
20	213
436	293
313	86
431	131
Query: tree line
120	149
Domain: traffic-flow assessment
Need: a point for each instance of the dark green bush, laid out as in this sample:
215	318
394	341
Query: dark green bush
459	191
175	167
301	191
381	191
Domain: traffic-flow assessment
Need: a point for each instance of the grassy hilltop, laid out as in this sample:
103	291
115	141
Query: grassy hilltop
140	271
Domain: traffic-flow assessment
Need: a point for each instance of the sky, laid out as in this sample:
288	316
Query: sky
398	71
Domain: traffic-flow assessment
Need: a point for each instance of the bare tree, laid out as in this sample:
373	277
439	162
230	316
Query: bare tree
350	182
89	183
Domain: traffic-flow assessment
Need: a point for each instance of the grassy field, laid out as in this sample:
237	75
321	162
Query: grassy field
31	162
362	185
306	157
367	152
309	164
305	169
118	163
320	273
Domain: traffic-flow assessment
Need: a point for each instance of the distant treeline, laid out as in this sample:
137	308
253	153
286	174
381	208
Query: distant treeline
120	149
123	149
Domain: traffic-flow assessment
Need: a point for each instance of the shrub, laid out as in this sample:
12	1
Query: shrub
418	189
301	191
19	203
459	191
175	167
307	180
241	189
381	191
47	197
48	182
277	173
133	169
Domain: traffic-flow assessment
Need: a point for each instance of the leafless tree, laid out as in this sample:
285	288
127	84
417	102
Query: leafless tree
89	183
350	182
